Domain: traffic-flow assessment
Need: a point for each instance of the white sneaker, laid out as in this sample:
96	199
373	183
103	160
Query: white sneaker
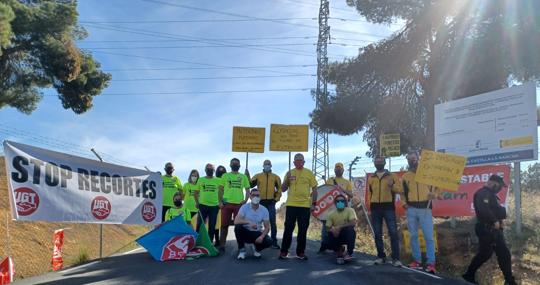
397	263
379	261
241	255
257	254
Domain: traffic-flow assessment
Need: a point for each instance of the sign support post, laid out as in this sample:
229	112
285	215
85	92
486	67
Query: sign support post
517	196
100	225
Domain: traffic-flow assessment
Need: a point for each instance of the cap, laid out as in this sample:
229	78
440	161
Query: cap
498	179
298	156
339	165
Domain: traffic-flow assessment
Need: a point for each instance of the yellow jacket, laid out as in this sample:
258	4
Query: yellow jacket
269	185
415	194
380	194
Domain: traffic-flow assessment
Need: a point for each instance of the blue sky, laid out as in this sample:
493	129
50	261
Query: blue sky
193	129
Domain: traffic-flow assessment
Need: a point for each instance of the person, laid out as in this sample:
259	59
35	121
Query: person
178	210
248	226
301	199
417	203
346	187
190	189
340	225
171	185
220	170
489	229
207	199
231	197
382	188
269	185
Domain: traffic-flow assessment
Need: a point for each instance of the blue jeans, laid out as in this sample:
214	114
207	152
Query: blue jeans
377	217
270	205
421	218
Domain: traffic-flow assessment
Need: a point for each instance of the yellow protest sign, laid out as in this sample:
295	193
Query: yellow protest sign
440	170
248	139
289	137
390	145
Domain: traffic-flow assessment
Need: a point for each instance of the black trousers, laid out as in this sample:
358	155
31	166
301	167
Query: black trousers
293	216
270	205
244	236
211	213
491	240
163	212
347	236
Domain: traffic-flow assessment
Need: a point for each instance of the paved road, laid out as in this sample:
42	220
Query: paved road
139	268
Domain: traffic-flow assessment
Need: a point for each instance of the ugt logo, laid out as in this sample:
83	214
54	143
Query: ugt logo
177	247
27	201
100	207
148	211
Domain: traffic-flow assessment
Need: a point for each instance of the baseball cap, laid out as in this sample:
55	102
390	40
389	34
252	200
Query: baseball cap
498	179
339	165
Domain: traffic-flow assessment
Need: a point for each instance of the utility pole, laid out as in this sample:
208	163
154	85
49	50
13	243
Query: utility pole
321	160
354	162
100	225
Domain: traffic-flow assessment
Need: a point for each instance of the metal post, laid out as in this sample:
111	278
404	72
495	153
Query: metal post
289	161
100	225
247	160
517	196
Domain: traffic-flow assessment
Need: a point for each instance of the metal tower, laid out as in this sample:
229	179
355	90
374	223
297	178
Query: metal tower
320	143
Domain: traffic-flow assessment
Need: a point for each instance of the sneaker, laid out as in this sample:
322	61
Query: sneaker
340	260
430	268
348	257
397	263
257	254
241	255
379	261
469	279
283	255
415	265
302	256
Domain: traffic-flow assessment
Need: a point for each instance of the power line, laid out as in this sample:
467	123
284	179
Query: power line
208	68
215	39
212	78
200	46
197	92
186	21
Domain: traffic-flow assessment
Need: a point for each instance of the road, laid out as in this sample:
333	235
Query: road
139	268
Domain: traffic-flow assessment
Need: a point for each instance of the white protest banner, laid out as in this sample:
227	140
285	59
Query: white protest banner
45	185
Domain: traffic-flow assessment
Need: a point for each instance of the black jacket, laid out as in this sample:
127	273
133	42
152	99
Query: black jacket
487	207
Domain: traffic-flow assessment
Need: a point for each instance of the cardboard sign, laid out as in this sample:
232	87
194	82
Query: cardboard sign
247	139
390	145
289	138
440	169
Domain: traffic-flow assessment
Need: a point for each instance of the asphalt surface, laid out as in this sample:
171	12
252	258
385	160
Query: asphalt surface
139	268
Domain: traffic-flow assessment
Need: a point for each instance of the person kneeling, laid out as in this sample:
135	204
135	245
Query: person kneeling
248	226
340	224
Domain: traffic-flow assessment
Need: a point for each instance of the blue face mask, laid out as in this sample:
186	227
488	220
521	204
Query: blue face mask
340	205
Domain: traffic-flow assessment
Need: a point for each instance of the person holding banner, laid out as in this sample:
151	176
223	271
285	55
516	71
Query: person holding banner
383	185
178	210
233	193
190	190
269	185
207	199
248	226
418	204
300	203
220	170
171	185
489	229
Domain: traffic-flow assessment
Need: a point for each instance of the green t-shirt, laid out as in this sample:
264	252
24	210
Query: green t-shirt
209	188
175	212
233	187
189	196
171	185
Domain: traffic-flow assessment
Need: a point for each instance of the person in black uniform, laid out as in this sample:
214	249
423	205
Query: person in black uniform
489	229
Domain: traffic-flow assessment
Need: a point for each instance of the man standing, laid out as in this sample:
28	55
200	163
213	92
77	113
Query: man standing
269	186
171	185
382	188
231	197
300	203
340	225
489	229
418	204
248	226
207	199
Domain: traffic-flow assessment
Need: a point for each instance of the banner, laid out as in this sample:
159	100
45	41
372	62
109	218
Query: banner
58	242
390	145
51	186
460	203
359	187
325	204
248	139
7	271
440	170
289	138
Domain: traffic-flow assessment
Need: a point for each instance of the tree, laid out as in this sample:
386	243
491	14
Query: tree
531	178
447	49
37	50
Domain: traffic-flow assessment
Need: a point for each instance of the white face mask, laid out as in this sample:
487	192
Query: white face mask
255	200
193	178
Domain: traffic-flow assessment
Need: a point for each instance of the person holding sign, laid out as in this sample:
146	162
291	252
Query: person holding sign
207	199
301	202
269	185
489	229
233	193
418	204
340	225
190	189
171	185
383	185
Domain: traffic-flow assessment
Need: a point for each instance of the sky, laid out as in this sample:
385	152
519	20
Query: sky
169	59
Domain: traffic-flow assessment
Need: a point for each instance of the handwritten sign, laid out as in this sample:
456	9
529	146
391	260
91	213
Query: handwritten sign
289	137
390	145
440	169
248	139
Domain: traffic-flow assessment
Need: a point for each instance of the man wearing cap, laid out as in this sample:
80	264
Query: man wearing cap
171	185
302	187
269	186
489	229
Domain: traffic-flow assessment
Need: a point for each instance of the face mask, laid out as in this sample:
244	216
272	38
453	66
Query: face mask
267	168
339	172
299	164
178	203
380	167
235	167
220	173
255	200
209	172
413	164
340	205
169	170
194	178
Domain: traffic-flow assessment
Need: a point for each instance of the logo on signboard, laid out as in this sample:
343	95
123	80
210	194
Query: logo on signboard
101	207
177	247
148	211
27	201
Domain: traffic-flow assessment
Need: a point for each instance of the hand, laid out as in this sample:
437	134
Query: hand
405	206
335	231
259	240
253	226
391	183
287	177
220	205
497	225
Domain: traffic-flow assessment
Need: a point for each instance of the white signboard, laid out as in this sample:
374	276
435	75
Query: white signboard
51	186
493	127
